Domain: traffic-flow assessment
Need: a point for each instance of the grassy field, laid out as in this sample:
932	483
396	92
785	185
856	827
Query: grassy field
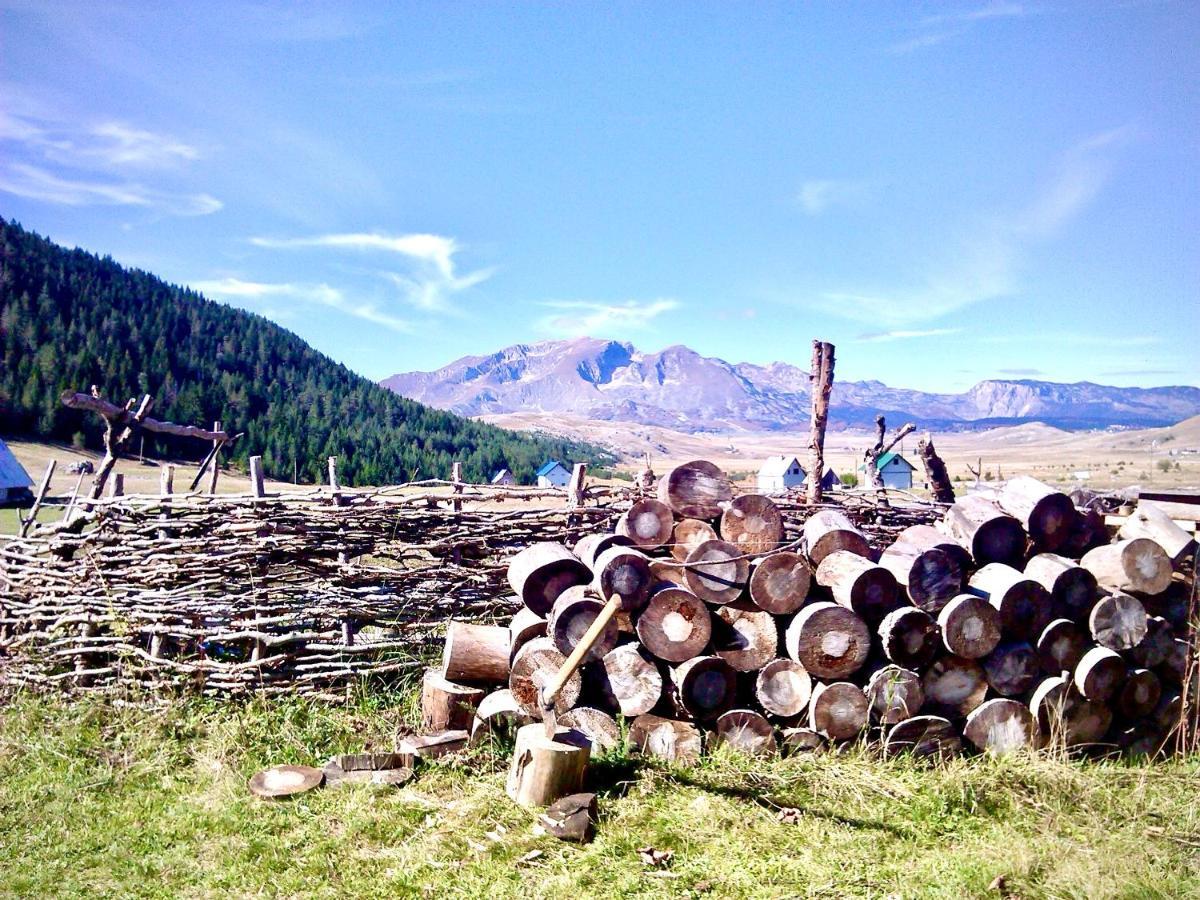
98	799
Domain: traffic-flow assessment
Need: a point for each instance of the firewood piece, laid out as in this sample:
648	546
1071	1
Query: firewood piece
929	577
747	732
535	665
706	686
670	739
497	714
838	710
910	637
540	572
625	572
1064	715
365	762
688	535
666	571
446	705
1135	565
984	529
570	618
588	547
1024	605
648	523
954	686
1118	622
476	654
1139	694
1013	668
783	688
675	625
860	585
571	818
1099	674
752	523
601	728
1168	711
1173	669
779	583
1061	646
827	531
546	768
695	490
924	737
894	694
1046	514
417	748
717	572
800	740
336	776
1072	587
970	626
1150	521
1153	649
829	640
1002	726
630	680
284	781
744	636
524	627
926	537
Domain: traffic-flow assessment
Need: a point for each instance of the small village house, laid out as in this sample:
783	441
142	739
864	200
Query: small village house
897	471
15	483
503	477
779	474
830	480
553	475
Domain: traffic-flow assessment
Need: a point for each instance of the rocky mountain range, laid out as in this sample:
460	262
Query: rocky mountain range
680	389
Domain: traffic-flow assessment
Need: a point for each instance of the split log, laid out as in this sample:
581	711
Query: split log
284	781
752	523
717	572
954	686
924	737
985	530
910	637
1024	605
747	732
1155	647
524	627
970	626
926	537
624	572
688	535
828	640
1150	521
675	625
821	384
744	636
446	705
546	768
837	710
535	665
695	490
476	654
571	818
860	585
894	694
497	714
935	471
1118	622
705	686
630	680
1138	565
1002	726
1099	674
648	523
570	618
1065	716
417	748
1061	646
1046	514
1072	587
779	583
929	577
783	688
601	728
800	740
827	531
1139	695
540	572
1013	668
669	739
590	546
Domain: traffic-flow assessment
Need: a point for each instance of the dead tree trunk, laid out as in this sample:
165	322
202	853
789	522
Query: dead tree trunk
935	471
873	454
821	378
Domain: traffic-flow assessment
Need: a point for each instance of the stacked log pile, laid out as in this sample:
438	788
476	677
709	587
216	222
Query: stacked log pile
1012	622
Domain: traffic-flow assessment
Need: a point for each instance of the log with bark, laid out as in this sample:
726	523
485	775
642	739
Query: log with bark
1072	587
747	732
926	737
988	533
498	714
572	615
780	583
1139	565
783	688
1139	695
476	654
675	625
1099	674
542	571
930	577
446	705
1118	622
837	710
673	740
954	686
629	680
894	694
829	640
927	537
648	524
695	490
533	667
1002	726
588	547
1152	522
860	585
524	627
970	626
1061	646
705	687
910	637
689	534
547	767
1046	515
623	572
717	572
1024	606
1013	668
1153	649
601	728
752	523
827	531
744	636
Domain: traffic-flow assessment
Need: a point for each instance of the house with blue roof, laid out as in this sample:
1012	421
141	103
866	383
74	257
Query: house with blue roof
553	474
15	482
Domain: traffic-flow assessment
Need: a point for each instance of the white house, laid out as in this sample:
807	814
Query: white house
503	477
779	473
553	475
897	471
15	483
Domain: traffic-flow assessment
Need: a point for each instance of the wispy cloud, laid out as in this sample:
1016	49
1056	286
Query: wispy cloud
36	183
995	10
430	282
819	194
941	27
319	294
1021	373
575	318
900	334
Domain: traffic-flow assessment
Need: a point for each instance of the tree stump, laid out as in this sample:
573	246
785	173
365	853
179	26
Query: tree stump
1099	674
620	571
779	583
827	531
828	640
860	585
1002	726
706	686
534	666
476	654
1118	622
445	705
717	572
630	680
747	732
1024	605
540	572
688	535
954	686
695	490
570	618
1046	514
970	626
601	728
930	577
910	637
783	688
546	768
1138	565
675	625
752	523
648	524
986	531
1013	668
837	710
894	694
1061	646
923	736
744	636
669	739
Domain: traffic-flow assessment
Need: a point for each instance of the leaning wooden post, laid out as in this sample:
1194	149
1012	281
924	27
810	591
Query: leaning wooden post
821	378
41	495
116	487
257	487
576	488
216	461
935	471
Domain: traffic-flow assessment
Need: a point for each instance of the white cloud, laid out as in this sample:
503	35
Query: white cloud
36	183
995	10
938	28
577	318
879	337
818	194
320	294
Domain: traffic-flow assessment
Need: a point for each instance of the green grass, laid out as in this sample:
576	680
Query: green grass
104	800
11	524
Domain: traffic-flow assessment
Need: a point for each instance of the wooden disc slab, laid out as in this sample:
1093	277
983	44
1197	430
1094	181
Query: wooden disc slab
284	781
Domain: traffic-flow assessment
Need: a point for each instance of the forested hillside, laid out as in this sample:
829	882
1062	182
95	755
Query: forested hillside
69	319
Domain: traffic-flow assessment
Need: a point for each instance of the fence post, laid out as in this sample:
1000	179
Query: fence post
216	463
116	487
256	477
576	487
456	477
166	487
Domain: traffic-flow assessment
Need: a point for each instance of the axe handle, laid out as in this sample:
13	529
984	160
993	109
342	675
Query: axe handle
581	649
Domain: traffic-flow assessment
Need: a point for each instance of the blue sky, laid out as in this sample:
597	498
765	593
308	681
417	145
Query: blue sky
948	191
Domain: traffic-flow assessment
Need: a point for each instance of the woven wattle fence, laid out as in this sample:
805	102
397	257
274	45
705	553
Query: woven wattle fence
292	593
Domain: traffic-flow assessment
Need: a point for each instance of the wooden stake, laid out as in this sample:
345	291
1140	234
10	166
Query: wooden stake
257	487
39	497
216	462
